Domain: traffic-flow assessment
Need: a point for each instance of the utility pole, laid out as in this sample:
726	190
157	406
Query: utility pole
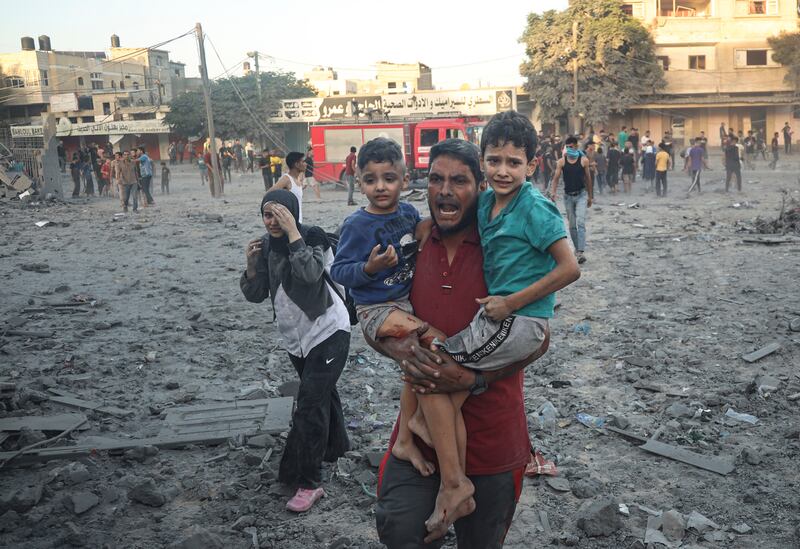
575	118
198	29
254	55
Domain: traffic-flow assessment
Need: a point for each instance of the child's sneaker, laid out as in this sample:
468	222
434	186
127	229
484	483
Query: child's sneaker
304	499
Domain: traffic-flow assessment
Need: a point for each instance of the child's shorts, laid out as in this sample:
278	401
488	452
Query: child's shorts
489	345
371	317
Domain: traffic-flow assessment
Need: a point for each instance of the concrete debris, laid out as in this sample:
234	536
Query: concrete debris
23	499
559	484
80	502
673	525
199	538
599	517
145	492
741	528
586	488
700	524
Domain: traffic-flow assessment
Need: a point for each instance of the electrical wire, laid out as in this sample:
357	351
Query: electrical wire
272	135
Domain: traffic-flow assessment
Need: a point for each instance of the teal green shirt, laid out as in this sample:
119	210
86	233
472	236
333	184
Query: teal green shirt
515	245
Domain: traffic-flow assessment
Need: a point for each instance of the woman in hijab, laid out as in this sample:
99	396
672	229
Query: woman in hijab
289	266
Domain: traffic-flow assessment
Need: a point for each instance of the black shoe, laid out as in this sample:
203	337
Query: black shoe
581	258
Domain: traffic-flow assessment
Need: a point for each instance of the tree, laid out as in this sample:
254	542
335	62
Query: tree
616	62
786	48
187	115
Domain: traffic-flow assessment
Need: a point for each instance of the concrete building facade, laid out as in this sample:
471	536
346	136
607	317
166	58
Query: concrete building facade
718	67
125	84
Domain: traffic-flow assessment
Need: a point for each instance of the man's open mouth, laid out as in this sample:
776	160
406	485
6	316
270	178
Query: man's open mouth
447	210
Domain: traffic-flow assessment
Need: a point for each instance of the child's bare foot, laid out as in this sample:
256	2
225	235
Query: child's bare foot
418	426
452	503
408	451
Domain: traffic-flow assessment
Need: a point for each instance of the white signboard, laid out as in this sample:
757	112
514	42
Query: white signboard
484	102
297	110
91	128
445	103
63	102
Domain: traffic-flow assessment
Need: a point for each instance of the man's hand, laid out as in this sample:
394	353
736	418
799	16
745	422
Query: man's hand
496	307
378	262
451	377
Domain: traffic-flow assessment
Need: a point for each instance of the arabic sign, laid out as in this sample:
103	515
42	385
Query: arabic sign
91	128
460	103
297	110
423	104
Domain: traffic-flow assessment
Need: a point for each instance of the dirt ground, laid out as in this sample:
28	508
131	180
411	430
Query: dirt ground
670	298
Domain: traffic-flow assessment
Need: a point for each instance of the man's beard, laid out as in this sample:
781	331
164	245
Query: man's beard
469	218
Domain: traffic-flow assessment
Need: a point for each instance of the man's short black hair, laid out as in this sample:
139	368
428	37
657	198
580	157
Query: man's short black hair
571	140
141	148
352	149
510	127
381	149
293	158
466	152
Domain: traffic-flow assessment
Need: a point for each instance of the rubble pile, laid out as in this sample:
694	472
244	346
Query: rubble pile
787	222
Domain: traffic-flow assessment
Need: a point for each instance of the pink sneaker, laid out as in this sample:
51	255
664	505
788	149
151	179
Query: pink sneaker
304	499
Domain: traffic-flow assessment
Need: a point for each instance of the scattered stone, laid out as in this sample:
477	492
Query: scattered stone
35	267
141	453
366	477
200	538
172	385
751	456
252	459
599	517
23	499
619	422
673	525
289	388
243	522
9	521
340	543
794	325
264	440
73	535
586	488
559	484
146	493
75	473
699	523
568	539
150	357
28	437
742	528
80	502
678	409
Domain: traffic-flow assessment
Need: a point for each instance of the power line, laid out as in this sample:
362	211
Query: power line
267	131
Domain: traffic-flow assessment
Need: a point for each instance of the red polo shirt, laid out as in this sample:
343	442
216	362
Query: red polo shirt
444	296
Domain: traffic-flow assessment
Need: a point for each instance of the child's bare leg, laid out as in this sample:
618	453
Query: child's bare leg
404	447
455	493
399	324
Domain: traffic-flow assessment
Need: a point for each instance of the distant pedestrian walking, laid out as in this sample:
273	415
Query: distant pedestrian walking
350	175
787	138
775	147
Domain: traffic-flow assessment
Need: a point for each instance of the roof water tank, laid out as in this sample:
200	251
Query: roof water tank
28	44
44	43
114	41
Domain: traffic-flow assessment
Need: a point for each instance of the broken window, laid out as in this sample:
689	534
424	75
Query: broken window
684	8
664	60
697	62
627	9
14	82
756	7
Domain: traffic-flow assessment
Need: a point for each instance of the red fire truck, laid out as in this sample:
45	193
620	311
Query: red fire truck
331	143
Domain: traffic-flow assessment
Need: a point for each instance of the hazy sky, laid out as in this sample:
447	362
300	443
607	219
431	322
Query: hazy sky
461	44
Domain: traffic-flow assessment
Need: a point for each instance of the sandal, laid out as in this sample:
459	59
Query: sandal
304	499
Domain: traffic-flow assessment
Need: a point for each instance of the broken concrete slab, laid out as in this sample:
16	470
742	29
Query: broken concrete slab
289	389
22	500
697	522
762	352
719	465
54	423
245	417
673	525
72	401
